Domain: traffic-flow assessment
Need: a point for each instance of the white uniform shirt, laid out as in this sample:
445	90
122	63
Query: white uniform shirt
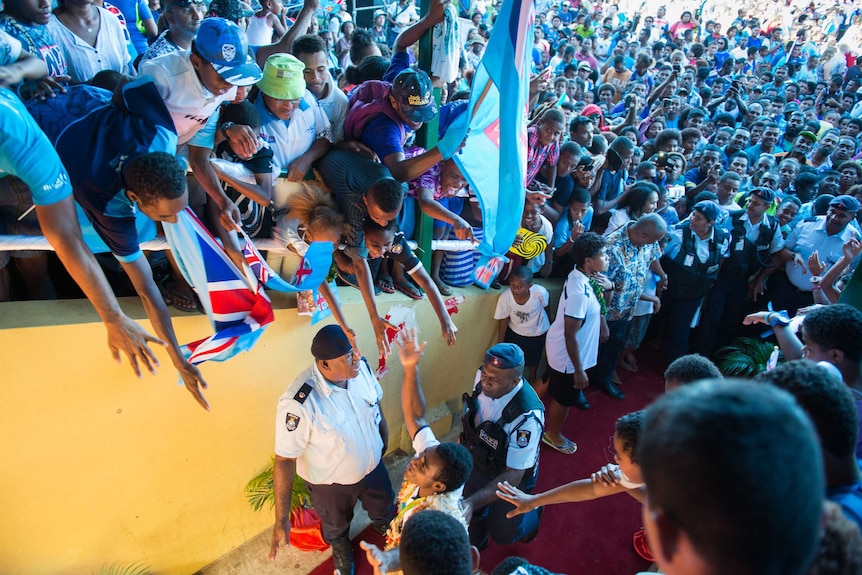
701	246
335	107
524	432
84	61
577	301
291	138
808	237
530	319
752	233
334	433
186	98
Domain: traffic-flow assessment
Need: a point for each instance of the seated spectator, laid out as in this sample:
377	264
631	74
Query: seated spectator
829	404
79	27
694	523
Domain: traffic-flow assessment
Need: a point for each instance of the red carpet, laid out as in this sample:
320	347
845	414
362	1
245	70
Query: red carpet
591	538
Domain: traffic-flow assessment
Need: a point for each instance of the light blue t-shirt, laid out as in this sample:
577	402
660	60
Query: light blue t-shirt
25	152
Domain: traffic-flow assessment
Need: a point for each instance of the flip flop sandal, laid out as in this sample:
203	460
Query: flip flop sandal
385	285
166	295
409	290
566	449
183	302
444	289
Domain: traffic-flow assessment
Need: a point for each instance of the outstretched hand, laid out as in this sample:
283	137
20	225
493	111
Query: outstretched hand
128	337
409	349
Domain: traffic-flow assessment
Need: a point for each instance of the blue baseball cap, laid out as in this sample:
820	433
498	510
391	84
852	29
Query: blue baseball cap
708	209
224	45
505	356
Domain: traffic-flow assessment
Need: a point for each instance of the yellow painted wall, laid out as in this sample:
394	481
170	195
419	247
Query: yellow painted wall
97	466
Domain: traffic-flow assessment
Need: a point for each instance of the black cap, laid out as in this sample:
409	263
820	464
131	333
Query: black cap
413	90
330	343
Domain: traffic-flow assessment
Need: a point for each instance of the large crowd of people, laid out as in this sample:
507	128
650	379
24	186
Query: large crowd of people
688	179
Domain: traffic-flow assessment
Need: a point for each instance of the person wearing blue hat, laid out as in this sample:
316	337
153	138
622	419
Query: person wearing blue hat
755	238
691	259
792	288
194	85
502	426
331	432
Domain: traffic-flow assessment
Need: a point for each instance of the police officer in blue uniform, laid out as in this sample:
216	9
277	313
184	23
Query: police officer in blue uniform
502	427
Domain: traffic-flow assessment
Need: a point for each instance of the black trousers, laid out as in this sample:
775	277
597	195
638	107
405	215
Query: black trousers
334	503
492	521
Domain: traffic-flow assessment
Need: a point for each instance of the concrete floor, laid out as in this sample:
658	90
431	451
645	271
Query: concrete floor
250	558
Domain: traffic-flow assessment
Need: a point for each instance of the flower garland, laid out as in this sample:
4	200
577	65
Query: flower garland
600	294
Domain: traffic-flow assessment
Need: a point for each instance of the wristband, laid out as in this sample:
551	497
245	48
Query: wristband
224	128
776	318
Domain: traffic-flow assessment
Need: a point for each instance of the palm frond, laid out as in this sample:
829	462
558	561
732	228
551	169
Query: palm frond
260	491
118	568
745	357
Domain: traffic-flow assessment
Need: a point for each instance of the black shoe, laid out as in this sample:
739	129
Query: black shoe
581	400
612	390
532	534
342	555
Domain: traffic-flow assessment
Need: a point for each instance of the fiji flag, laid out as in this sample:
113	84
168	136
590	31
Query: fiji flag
494	158
233	299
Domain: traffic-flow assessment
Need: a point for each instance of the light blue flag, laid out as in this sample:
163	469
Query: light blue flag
494	158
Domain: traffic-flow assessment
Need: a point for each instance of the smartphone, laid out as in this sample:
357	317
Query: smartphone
615	162
666	103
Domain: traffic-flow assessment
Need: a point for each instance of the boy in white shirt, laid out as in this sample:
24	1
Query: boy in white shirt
523	315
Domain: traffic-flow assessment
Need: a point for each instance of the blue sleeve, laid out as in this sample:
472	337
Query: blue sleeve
383	136
113	221
26	153
144	10
400	61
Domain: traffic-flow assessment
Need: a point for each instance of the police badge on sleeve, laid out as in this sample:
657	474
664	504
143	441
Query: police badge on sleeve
291	422
522	438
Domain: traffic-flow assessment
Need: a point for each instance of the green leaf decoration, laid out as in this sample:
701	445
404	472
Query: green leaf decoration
745	357
260	492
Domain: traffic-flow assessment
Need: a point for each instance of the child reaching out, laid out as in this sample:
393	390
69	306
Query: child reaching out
624	476
522	311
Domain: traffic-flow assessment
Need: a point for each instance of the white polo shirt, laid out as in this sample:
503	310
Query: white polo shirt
291	138
578	301
335	105
187	99
524	432
333	433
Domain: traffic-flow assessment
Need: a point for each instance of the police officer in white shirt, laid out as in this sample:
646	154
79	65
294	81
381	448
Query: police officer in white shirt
330	430
502	427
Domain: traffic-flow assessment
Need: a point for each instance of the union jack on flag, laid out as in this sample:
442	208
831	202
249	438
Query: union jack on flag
233	299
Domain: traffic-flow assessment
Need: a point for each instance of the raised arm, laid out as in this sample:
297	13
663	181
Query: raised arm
283	46
412	398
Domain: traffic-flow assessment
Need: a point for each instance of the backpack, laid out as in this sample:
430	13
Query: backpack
370	99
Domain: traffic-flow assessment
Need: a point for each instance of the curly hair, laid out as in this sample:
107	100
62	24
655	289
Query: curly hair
628	429
154	176
588	245
435	543
838	327
457	465
691	368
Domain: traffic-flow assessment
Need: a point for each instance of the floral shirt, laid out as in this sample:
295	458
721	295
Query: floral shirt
628	269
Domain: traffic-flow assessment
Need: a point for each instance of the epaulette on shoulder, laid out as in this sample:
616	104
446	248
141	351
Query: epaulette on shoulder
303	393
